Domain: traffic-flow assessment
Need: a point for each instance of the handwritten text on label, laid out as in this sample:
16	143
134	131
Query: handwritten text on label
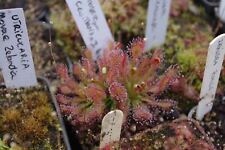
157	22
16	58
111	128
92	24
211	75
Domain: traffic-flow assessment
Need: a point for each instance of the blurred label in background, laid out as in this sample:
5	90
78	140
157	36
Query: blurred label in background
157	22
222	10
92	25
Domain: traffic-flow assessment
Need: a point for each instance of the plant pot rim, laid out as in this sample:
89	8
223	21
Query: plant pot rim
211	4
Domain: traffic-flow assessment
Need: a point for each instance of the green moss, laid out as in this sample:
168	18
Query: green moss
27	116
187	59
67	35
3	146
187	43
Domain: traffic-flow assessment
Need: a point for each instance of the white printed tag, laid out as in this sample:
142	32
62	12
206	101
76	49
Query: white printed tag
157	22
222	10
111	128
15	51
92	25
213	68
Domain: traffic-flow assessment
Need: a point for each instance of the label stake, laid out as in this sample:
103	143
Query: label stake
15	50
157	22
213	68
111	128
92	24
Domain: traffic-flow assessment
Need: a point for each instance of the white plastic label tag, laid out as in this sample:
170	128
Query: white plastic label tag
15	51
111	128
213	68
92	24
222	10
157	22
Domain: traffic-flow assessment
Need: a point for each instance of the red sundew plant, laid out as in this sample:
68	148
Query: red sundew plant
185	139
129	81
178	7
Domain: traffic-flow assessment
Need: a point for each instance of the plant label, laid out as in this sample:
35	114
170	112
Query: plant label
157	22
222	10
15	51
111	128
213	68
92	24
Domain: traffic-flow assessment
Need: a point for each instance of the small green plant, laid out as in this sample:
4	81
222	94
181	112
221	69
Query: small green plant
3	146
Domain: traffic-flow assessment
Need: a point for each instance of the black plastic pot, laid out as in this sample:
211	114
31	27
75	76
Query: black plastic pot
210	8
64	130
12	4
70	139
209	5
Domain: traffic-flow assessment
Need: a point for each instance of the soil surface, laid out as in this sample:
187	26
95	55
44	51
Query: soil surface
214	124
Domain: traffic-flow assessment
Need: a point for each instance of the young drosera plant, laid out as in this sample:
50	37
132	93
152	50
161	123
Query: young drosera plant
178	7
130	81
181	25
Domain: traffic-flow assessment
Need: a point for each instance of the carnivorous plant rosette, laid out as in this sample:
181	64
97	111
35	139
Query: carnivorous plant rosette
129	81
